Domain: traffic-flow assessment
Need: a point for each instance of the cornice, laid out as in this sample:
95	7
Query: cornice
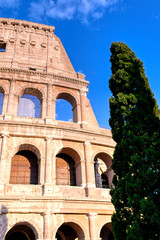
46	75
95	137
22	23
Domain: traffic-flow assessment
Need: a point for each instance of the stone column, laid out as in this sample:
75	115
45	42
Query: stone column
110	174
54	170
56	145
75	114
5	100
83	108
92	225
81	179
48	168
54	99
90	182
43	108
3	156
11	104
49	107
79	113
54	108
47	224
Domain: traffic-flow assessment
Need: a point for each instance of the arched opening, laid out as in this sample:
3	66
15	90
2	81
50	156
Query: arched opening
102	170
24	168
30	103
68	167
1	99
64	111
106	232
66	108
20	232
65	170
70	231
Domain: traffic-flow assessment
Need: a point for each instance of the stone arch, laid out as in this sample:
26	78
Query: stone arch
2	89
29	147
105	232
31	105
75	155
76	226
69	97
24	223
30	90
103	171
29	156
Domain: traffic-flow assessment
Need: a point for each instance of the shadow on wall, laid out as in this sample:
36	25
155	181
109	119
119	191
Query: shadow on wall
3	222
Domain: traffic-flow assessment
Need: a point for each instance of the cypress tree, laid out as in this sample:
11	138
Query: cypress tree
135	128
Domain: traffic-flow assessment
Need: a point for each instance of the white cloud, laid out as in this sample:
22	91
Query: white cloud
84	10
9	3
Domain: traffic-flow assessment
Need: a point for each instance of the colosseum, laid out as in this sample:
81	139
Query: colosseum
55	175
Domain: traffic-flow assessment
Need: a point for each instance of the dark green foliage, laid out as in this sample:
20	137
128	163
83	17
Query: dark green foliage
136	130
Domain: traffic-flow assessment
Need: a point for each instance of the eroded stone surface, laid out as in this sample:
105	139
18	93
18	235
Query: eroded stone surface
33	61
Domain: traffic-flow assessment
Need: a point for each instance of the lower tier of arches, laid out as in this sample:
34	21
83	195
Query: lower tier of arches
49	226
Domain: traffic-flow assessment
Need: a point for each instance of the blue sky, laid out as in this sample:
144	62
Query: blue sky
88	27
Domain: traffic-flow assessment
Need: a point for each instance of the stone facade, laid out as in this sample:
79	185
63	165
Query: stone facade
69	199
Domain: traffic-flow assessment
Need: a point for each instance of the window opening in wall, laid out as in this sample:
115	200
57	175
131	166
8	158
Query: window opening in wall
1	102
100	171
106	234
64	110
65	170
20	232
2	47
66	232
32	69
24	168
29	106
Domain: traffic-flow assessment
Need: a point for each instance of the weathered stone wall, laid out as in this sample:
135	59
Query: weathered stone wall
35	62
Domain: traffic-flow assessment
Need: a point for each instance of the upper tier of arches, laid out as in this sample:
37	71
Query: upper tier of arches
45	102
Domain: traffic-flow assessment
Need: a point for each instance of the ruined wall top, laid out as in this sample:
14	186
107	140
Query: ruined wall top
31	46
16	23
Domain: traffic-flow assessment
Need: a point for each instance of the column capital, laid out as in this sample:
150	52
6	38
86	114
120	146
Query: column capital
47	213
4	134
13	79
92	215
83	91
48	138
87	143
50	84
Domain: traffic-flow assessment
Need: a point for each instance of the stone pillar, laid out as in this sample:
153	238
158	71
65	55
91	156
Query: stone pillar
56	145
49	106
92	226
83	108
80	168
11	103
47	224
110	174
48	168
90	182
43	108
54	171
4	109
79	113
3	156
75	114
54	226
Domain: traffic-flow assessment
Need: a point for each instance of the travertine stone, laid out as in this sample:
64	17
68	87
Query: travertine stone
35	62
